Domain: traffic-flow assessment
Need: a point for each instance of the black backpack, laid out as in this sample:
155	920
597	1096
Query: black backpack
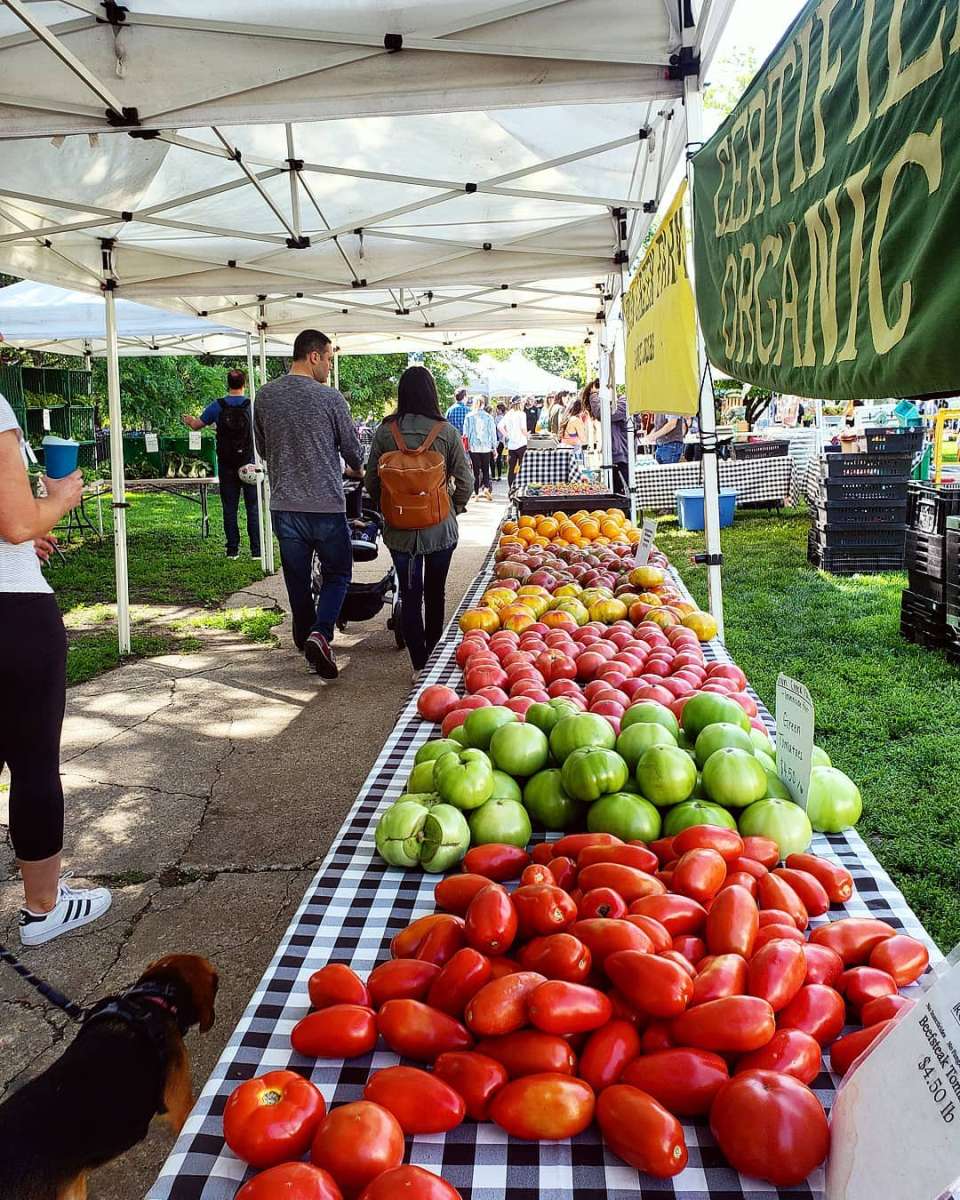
234	433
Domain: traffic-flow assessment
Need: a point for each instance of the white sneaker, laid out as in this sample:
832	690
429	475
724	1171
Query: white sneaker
74	907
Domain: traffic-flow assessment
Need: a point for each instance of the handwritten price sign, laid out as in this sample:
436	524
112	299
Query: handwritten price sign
795	722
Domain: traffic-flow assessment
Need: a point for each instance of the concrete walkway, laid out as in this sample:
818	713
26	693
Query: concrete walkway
205	790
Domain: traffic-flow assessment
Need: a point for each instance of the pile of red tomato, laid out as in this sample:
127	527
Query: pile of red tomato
591	993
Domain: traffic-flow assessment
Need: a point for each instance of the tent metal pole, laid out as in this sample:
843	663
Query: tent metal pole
336	365
607	391
267	541
117	479
264	520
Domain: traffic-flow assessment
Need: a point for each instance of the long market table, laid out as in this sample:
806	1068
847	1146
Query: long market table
183	488
352	908
756	481
558	464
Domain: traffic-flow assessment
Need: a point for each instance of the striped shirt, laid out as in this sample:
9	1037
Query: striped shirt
19	565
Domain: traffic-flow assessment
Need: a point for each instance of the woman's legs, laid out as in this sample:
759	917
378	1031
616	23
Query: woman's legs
498	462
513	464
410	578
476	461
485	470
434	586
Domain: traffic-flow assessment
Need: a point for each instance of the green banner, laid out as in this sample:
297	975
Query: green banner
827	208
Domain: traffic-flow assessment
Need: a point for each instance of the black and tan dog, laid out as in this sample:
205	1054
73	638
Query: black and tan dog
127	1063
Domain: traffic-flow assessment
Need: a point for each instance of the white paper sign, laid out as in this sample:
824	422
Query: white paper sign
152	443
46	419
645	545
194	439
795	723
895	1125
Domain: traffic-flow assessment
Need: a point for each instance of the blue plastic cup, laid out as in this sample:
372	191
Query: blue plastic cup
59	456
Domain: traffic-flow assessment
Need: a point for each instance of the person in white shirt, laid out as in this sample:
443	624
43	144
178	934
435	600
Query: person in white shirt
33	658
513	426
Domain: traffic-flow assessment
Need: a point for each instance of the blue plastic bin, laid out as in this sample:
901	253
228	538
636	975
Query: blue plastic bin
690	507
59	456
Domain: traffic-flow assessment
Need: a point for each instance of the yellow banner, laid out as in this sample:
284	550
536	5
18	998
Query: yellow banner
659	323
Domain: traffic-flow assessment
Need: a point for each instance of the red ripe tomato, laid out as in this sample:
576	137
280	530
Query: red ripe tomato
502	965
564	871
530	1052
356	1143
732	922
602	902
455	892
412	1183
727	842
861	984
774	892
692	948
629	856
732	1025
628	882
501	1005
723	975
776	973
812	893
408	941
663	849
762	850
748	865
679	959
683	1080
607	1052
436	701
656	1037
902	957
340	1031
534	874
844	1050
659	938
497	861
853	938
778	933
460	980
741	879
541	855
413	1030
770	1126
573	843
401	979
558	956
476	1077
336	983
641	1131
490	925
605	936
651	983
677	914
545	1107
542	910
790	1051
699	873
885	1008
836	880
421	1102
293	1181
823	964
567	1008
441	943
272	1118
817	1010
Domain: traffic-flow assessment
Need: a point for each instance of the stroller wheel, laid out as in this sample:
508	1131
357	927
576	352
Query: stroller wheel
394	623
342	625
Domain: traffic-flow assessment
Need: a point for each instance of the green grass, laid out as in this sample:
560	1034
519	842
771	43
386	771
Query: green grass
89	654
256	624
888	712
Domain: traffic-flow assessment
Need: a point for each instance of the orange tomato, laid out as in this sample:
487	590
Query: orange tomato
704	625
527	523
480	618
548	526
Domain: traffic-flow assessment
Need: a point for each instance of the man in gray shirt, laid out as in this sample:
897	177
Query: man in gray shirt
303	428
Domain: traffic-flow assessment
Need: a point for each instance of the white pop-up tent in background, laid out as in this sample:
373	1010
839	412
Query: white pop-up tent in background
515	376
380	169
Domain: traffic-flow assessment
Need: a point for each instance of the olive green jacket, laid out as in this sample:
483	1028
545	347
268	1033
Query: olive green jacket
459	480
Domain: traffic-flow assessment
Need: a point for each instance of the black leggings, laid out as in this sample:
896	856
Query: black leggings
514	458
498	461
481	469
33	666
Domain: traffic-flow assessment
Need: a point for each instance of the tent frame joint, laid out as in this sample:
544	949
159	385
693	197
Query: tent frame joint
122	118
708	560
684	65
113	14
298	243
393	42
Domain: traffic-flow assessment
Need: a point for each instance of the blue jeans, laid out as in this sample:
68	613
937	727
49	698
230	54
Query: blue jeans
230	489
423	580
668	452
300	534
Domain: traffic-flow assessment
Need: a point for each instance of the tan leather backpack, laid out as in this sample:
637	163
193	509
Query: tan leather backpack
413	483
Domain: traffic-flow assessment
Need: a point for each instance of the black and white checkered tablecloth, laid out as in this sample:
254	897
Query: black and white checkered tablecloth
353	907
551	466
763	480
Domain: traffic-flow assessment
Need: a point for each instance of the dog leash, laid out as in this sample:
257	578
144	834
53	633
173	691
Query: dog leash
76	1011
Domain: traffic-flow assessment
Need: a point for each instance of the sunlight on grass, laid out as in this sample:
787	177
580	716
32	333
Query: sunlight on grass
256	624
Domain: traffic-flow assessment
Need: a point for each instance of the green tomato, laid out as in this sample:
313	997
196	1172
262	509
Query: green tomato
639	737
427	799
666	775
646	711
695	812
833	800
698	793
589	773
776	788
481	724
624	815
767	760
464	780
761	740
500	821
504	788
709	708
431	750
715	737
459	735
579	732
547	802
781	820
421	777
445	838
545	714
734	778
519	749
399	833
820	757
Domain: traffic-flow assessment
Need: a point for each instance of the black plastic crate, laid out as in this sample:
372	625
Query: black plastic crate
865	489
926	585
880	465
926	553
858	514
889	538
851	562
530	505
922	620
893	441
930	505
774	448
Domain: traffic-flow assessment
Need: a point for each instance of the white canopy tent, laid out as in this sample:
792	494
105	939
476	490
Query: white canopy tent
381	169
516	375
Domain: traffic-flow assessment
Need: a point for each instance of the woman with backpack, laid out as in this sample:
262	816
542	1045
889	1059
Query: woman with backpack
416	460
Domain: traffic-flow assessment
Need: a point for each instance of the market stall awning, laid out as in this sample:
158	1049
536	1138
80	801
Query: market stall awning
516	375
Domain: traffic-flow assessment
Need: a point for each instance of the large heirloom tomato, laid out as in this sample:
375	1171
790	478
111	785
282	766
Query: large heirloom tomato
291	1181
356	1143
272	1118
409	1183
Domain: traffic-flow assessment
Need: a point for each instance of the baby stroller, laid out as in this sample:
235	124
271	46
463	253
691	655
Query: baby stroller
364	600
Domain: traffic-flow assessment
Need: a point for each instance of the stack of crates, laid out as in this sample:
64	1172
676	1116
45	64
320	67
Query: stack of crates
952	587
924	606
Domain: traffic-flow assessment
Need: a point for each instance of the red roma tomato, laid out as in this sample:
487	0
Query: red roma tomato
656	1037
607	1052
502	965
605	936
412	1183
773	892
638	857
530	1052
684	1081
272	1118
543	910
476	1077
823	964
762	850
401	979
853	938
456	891
844	1050
817	1010
641	1131
292	1180
491	921
421	1102
775	916
836	880
542	853
741	879
699	873
501	1006
564	872
665	875
732	1025
732	923
790	1051
602	902
902	957
336	983
862	984
748	865
770	1126
693	949
357	1142
727	842
680	960
623	1010
559	956
543	1108
724	975
663	849
627	882
651	983
677	914
340	1031
660	940
776	973
535	873
573	843
408	941
441	944
885	1008
567	1008
460	980
436	701
813	895
496	861
778	933
413	1030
